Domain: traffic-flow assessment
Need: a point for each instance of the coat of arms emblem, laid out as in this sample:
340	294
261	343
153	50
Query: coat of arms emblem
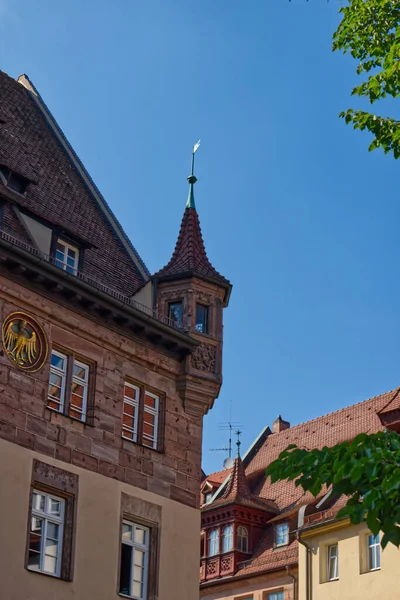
24	341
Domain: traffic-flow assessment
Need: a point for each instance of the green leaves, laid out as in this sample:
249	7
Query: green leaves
365	470
370	32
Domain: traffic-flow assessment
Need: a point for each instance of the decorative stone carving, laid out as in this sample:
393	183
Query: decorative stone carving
203	297
204	358
24	341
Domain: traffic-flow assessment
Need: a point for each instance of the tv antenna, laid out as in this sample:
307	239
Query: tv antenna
229	426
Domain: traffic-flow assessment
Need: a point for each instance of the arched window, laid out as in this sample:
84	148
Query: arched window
242	539
227	538
213	542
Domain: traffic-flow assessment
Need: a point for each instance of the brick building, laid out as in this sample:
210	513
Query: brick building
263	541
105	371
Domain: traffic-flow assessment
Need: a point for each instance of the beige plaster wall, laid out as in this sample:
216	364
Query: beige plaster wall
97	536
256	588
354	581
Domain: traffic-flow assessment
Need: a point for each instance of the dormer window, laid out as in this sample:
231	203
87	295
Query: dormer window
13	180
67	257
282	534
207	497
201	318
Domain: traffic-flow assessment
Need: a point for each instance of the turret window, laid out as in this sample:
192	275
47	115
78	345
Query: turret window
227	538
242	539
175	314
201	318
213	542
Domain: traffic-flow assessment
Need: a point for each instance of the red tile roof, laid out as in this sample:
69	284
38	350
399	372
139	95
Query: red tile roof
218	477
58	193
190	255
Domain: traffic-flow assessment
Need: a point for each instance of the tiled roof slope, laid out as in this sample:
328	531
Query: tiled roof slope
218	477
238	492
190	255
58	193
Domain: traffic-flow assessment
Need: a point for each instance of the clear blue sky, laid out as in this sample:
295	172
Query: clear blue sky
294	210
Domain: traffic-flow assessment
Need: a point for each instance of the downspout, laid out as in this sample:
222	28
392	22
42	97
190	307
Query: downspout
290	574
308	567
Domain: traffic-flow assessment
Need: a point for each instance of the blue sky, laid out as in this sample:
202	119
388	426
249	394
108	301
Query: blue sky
294	210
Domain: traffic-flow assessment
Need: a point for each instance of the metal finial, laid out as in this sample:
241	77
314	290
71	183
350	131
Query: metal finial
192	180
238	433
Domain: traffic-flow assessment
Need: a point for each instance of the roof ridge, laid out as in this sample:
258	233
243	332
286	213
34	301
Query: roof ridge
338	411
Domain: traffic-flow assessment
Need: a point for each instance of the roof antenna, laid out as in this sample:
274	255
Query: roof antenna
229	426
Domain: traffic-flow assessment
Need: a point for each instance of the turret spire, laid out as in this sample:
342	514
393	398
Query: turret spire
192	180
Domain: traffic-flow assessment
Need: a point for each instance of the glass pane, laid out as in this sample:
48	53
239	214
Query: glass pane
139	558
130	392
51	548
38	502
80	372
175	313
137	589
378	556
138	573
149	418
71	254
52	530
33	559
77	389
58	362
126	531
201	318
129	409
50	564
125	572
140	536
54	508
150	401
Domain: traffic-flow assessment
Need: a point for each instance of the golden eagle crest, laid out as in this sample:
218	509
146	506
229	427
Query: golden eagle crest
24	341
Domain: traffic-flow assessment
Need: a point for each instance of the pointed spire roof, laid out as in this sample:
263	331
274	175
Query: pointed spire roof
190	257
237	491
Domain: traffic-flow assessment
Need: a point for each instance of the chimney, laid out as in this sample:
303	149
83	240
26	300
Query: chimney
280	425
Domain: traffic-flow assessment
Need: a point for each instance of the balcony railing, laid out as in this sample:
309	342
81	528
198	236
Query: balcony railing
220	565
126	300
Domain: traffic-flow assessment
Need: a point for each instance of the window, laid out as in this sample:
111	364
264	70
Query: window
13	180
201	318
46	533
374	552
213	542
67	257
333	566
175	314
242	539
141	416
282	534
134	560
227	538
68	385
276	595
207	497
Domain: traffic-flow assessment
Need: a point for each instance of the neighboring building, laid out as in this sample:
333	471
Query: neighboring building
254	533
105	374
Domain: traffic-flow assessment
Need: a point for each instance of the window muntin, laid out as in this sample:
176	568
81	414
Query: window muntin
282	534
175	314
242	539
67	257
333	562
213	542
201	318
227	538
64	370
374	552
276	595
141	416
135	547
130	412
46	533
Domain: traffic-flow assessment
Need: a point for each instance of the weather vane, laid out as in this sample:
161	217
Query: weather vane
238	433
192	179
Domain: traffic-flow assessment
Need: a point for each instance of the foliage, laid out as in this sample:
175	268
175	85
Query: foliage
370	32
366	471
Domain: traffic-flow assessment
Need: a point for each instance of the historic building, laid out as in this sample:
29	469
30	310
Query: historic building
105	374
263	541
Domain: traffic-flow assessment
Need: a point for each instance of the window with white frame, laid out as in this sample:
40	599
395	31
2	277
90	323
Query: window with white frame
213	542
207	497
276	595
141	416
46	533
68	373
282	534
333	562
227	538
135	549
374	552
67	256
242	539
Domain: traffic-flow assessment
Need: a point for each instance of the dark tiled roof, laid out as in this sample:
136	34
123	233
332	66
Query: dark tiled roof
58	193
190	256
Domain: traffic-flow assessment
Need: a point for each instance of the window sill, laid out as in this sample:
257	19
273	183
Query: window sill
159	450
38	572
62	414
280	546
370	571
